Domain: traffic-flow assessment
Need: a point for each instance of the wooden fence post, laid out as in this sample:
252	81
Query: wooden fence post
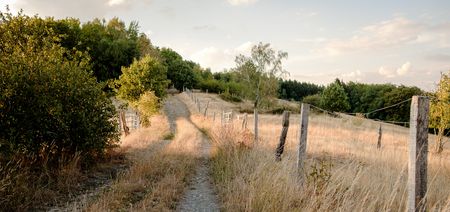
418	154
244	121
126	129
214	116
284	131
255	112
303	137
380	132
206	108
198	105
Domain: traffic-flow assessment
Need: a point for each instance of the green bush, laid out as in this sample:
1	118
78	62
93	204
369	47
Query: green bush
312	99
213	86
50	105
147	105
143	75
229	97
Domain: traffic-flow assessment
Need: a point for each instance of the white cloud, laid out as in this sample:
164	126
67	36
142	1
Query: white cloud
219	59
404	69
112	3
211	57
386	72
395	32
436	34
384	34
241	2
401	71
149	33
244	48
353	76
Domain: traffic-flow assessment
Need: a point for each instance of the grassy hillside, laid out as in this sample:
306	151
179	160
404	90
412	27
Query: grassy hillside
344	170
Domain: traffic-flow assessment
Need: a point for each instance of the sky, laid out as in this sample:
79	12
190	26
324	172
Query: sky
400	42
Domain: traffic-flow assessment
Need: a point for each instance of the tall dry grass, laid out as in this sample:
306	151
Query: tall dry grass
344	170
30	187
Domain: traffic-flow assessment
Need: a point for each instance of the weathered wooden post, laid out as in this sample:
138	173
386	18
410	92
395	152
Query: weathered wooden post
244	121
380	132
206	108
126	129
198	106
255	112
284	131
214	117
303	137
418	154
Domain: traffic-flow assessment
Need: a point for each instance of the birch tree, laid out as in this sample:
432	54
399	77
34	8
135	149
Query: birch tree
260	71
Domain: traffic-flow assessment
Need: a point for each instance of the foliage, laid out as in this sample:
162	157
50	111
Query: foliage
111	45
401	112
334	98
212	85
50	106
146	74
312	99
294	90
440	110
179	72
148	105
230	97
369	97
260	72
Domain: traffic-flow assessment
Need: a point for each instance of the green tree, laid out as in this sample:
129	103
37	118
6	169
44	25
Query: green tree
146	74
400	112
260	72
111	45
179	72
334	98
440	110
50	106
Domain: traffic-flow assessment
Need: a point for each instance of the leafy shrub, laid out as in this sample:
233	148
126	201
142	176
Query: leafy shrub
213	86
312	99
229	97
50	105
142	75
147	105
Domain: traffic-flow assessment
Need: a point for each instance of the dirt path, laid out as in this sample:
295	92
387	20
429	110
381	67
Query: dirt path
200	195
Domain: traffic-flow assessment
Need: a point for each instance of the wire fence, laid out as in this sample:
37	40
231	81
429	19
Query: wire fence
349	140
340	130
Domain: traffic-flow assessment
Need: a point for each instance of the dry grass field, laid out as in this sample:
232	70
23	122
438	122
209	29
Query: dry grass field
344	170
